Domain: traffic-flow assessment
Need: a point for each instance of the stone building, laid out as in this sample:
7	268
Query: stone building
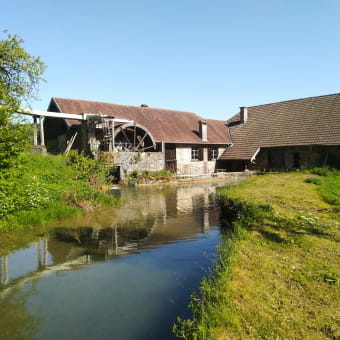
294	134
138	137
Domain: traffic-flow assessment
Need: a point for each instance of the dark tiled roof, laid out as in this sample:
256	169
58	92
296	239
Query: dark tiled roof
307	121
164	125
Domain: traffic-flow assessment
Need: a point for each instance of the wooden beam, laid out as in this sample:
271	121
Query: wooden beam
39	113
134	137
84	116
125	136
141	141
148	147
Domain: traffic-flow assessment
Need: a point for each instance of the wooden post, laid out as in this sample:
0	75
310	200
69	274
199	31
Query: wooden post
134	137
42	136
35	131
84	137
113	134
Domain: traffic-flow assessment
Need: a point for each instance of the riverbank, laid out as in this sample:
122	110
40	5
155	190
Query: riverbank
161	177
277	274
40	189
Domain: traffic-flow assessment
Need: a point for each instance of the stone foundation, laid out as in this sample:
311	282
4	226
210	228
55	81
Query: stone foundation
140	161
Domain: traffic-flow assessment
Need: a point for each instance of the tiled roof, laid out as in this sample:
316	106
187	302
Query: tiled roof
164	125
307	121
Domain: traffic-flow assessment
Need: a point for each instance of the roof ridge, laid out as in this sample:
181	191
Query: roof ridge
217	120
295	100
128	106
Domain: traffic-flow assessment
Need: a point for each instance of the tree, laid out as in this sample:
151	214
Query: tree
20	74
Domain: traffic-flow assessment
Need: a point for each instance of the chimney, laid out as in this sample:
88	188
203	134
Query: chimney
243	114
203	130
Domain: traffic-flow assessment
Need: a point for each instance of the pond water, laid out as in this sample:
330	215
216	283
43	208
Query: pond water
120	273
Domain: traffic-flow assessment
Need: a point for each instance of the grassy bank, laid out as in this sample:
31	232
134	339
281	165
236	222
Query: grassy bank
278	269
40	189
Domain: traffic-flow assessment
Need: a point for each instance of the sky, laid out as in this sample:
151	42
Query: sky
208	57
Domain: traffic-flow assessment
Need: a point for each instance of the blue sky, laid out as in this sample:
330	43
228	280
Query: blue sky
208	57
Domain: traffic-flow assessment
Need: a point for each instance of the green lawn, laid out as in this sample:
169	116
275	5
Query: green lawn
278	275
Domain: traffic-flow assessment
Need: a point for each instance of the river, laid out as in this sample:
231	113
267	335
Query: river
122	273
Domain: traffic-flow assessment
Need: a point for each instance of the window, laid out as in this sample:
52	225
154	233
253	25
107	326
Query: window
194	154
212	154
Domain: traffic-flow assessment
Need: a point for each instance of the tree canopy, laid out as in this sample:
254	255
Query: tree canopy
20	74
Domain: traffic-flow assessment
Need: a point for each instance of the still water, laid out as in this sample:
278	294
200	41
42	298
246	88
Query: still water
120	273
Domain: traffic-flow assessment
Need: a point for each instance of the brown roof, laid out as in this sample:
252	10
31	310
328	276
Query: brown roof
164	125
307	121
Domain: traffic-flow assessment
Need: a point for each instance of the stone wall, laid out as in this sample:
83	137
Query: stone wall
298	157
140	161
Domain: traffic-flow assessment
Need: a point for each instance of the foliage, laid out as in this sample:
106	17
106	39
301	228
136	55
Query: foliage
277	264
38	182
90	169
148	176
323	171
20	74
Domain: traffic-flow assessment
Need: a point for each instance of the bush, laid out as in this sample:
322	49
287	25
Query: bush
89	169
324	171
147	175
37	181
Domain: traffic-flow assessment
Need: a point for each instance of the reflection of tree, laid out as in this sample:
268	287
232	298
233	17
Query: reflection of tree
15	321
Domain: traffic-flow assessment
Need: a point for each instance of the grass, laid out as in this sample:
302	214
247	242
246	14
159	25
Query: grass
41	189
277	275
55	211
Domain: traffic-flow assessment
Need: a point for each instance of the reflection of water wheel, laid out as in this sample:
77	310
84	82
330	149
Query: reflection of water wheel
133	137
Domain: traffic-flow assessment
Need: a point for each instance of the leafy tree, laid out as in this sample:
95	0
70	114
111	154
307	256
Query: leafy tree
20	74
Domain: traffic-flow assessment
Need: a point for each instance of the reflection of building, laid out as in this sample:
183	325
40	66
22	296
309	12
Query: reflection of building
148	217
191	197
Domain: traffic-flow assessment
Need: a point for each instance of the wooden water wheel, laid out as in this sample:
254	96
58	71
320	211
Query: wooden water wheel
133	137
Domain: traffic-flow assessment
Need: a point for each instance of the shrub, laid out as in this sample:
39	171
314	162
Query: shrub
324	171
37	181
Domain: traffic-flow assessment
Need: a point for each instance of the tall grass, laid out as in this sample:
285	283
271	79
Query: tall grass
55	211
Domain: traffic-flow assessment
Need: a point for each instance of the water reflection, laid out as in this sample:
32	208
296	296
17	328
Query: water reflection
148	219
16	322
